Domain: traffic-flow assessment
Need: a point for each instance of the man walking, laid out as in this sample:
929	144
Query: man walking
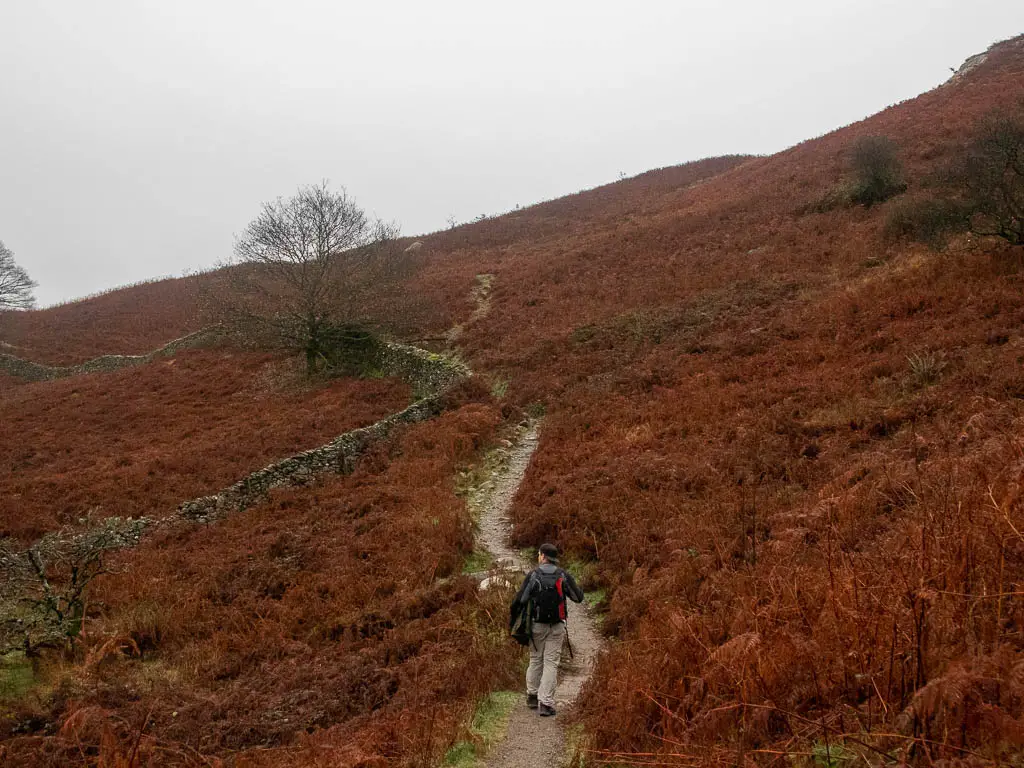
543	592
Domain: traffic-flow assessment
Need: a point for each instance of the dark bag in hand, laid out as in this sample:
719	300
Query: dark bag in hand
520	623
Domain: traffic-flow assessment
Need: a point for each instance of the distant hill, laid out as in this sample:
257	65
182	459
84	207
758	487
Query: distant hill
141	317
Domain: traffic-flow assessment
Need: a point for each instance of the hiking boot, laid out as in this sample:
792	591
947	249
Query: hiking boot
531	700
545	711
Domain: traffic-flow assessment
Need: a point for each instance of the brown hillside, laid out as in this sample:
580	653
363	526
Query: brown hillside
328	626
142	440
787	449
142	317
128	321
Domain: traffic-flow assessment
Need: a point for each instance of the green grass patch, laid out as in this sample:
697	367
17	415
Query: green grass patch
476	562
16	677
499	387
831	755
488	727
528	555
594	597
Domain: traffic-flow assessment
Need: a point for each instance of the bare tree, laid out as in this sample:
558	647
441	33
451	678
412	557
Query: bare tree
297	265
15	284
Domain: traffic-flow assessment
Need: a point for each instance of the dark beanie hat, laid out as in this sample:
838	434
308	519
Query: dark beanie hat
550	551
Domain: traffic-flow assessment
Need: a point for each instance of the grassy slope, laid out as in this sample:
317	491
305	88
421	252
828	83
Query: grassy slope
800	530
143	317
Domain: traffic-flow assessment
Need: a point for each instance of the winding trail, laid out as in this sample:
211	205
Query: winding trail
532	740
529	739
481	297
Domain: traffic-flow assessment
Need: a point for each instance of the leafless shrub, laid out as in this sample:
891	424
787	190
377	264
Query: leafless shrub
991	175
928	220
875	175
44	587
981	191
878	174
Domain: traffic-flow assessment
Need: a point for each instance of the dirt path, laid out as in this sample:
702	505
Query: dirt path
480	295
532	740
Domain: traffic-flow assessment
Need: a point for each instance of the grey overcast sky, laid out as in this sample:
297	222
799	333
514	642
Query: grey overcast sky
137	136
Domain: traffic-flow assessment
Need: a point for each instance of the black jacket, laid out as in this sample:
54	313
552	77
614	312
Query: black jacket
531	584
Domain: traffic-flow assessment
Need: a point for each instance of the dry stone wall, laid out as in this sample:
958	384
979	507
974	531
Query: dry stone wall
339	456
30	371
430	375
427	372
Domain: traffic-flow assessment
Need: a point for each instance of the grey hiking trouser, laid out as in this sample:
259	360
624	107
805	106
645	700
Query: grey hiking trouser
545	653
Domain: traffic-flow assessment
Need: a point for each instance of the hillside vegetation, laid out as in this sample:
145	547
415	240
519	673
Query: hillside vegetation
324	627
141	441
787	446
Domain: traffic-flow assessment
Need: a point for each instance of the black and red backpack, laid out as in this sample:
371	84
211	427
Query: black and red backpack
549	599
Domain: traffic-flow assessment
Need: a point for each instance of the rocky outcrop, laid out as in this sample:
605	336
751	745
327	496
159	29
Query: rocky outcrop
972	62
1013	45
